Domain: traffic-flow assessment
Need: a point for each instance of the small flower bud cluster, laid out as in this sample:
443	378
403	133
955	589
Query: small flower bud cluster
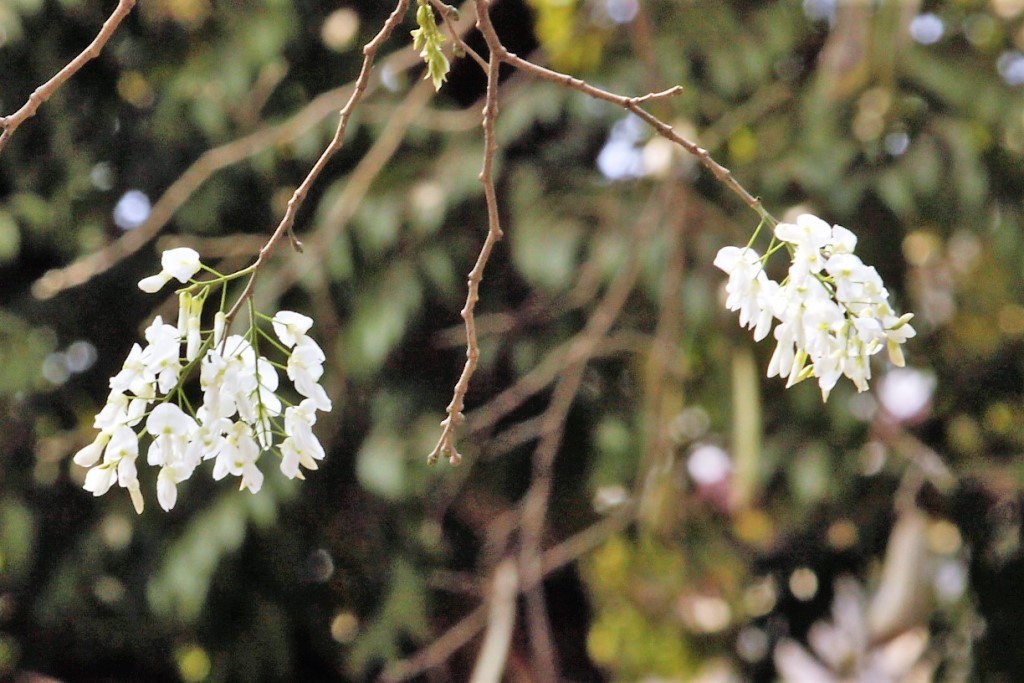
241	415
428	40
832	311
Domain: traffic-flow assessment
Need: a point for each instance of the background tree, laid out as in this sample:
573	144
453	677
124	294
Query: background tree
659	506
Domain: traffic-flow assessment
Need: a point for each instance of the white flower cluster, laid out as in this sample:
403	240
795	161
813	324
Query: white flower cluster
241	415
833	311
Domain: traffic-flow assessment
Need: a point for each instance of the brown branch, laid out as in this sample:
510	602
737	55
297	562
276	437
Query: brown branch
357	185
384	147
81	271
446	11
299	196
498	53
632	104
446	443
501	622
41	94
439	649
535	502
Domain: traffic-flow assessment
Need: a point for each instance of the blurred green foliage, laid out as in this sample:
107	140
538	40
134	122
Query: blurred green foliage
858	112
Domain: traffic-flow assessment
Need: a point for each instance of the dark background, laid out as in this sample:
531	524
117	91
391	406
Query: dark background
903	122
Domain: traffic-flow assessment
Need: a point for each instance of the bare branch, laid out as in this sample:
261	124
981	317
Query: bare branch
446	11
299	196
41	94
446	443
632	104
81	271
439	649
501	621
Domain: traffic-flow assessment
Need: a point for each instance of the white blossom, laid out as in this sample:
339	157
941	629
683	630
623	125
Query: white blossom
832	311
290	327
305	367
180	264
301	447
244	412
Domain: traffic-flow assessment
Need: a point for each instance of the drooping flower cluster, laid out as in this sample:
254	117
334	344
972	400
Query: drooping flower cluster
832	311
241	416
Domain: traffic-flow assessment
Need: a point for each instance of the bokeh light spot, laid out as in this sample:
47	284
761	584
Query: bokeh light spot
344	627
340	29
803	584
622	11
193	664
131	210
927	28
708	465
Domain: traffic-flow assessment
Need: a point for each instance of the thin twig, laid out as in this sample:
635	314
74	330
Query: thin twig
81	271
357	185
446	443
438	650
535	502
41	94
632	104
446	11
498	53
501	621
299	196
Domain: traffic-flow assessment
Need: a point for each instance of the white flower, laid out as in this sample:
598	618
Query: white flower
241	411
290	327
163	355
90	455
189	324
833	311
135	375
180	264
809	234
172	430
238	457
219	323
99	479
305	367
120	409
301	447
118	465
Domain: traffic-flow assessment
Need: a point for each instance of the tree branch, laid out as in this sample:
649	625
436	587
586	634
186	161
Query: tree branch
299	196
446	443
41	94
501	622
55	281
